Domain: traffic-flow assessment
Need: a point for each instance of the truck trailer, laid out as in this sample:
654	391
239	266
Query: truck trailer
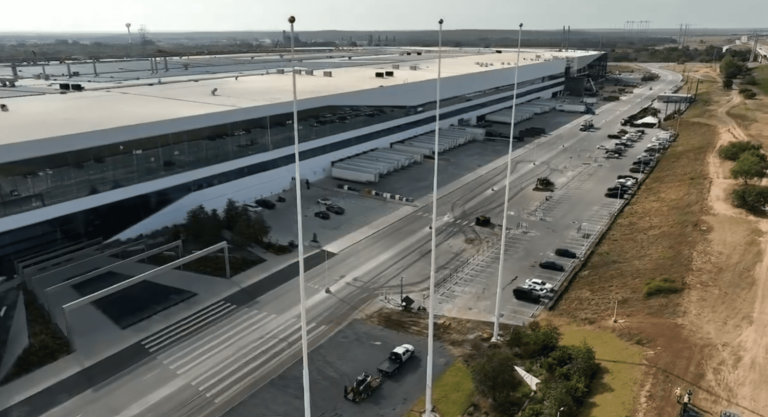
571	108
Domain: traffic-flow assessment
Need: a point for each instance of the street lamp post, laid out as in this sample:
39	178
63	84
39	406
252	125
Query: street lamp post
304	347
430	308
506	194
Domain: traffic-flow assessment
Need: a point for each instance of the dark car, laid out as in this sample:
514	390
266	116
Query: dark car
15	193
264	203
552	266
323	215
565	253
281	199
624	189
615	194
645	162
526	294
333	208
638	169
621	177
482	221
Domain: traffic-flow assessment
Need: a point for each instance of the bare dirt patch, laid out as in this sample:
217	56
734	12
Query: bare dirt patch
711	337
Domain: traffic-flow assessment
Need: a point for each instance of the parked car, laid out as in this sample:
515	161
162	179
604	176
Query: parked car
616	194
612	155
621	177
281	199
396	358
264	203
626	182
253	208
538	285
639	169
15	193
323	215
565	253
325	201
552	266
526	294
333	208
617	188
643	162
602	147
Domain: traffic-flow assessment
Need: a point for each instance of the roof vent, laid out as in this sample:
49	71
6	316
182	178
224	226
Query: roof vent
309	72
414	67
327	74
395	66
63	86
281	71
379	75
76	87
389	73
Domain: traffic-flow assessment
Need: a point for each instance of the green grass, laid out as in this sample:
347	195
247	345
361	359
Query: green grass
661	286
452	393
612	392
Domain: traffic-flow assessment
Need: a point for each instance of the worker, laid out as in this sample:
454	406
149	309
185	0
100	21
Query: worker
688	397
678	394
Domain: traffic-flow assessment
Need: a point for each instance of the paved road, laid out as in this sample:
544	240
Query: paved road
216	369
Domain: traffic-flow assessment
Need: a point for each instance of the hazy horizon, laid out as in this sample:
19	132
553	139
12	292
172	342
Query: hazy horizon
175	16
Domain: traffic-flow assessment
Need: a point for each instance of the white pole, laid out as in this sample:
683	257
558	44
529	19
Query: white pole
506	194
304	347
430	309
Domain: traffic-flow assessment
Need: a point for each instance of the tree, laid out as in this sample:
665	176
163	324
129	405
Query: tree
252	229
233	214
727	83
534	340
494	375
750	166
752	198
730	68
734	150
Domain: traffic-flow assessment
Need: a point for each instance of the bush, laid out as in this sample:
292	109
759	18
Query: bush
750	166
494	375
734	150
753	198
750	95
728	83
534	340
661	286
749	80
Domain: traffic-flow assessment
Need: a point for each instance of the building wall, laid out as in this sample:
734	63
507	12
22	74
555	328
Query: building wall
18	338
275	181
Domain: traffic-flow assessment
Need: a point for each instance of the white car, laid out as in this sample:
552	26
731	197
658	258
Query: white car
629	182
602	147
325	201
253	208
611	155
538	285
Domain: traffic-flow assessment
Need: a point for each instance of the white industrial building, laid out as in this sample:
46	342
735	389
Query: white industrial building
146	140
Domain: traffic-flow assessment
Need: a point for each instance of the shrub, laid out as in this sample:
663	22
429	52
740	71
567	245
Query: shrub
743	90
661	286
494	375
750	166
534	340
728	83
749	80
750	94
733	150
753	198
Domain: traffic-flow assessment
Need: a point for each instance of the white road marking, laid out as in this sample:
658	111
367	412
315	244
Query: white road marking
2	312
145	378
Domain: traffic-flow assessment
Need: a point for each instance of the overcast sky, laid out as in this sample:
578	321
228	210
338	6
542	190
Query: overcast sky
236	15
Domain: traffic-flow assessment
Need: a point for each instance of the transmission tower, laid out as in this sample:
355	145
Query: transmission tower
143	35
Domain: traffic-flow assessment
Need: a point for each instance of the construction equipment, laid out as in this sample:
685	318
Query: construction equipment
482	221
363	387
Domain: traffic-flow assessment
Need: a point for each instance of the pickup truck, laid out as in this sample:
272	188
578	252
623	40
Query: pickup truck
396	358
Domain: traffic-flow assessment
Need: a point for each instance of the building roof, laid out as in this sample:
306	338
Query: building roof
111	104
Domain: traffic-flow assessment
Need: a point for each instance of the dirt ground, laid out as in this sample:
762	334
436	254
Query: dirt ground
712	336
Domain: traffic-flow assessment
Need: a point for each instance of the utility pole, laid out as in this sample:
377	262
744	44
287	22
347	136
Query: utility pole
680	36
401	289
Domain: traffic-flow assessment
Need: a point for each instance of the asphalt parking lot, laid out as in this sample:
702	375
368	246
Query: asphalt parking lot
356	348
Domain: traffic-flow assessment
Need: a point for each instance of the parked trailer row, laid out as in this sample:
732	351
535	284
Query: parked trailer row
505	116
370	166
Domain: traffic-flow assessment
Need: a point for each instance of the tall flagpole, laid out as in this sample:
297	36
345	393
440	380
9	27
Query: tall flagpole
506	193
304	347
430	340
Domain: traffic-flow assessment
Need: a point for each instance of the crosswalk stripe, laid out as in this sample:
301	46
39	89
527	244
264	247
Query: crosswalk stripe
236	357
154	346
218	348
253	365
204	311
172	354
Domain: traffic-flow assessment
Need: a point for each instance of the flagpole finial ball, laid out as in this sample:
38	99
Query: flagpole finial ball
291	20
440	21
